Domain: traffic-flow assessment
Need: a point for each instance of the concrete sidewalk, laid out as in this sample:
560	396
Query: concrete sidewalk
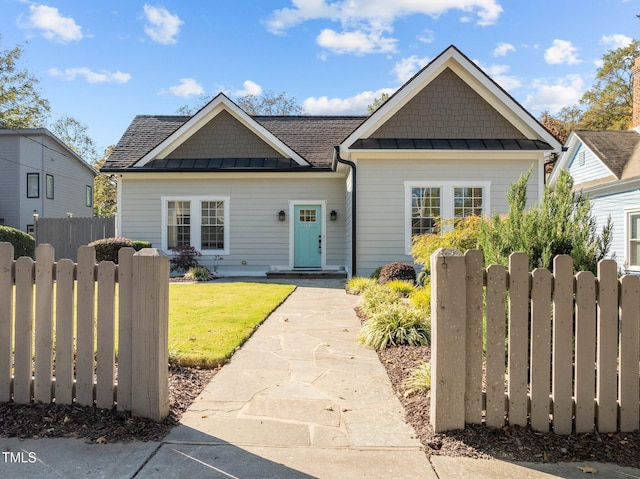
301	399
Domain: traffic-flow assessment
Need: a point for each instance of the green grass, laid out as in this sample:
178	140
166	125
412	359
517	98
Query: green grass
209	321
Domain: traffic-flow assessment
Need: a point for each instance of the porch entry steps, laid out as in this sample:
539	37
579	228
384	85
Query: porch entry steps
308	274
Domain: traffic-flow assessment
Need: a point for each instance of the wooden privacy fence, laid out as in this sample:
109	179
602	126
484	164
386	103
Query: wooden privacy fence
561	350
58	325
68	234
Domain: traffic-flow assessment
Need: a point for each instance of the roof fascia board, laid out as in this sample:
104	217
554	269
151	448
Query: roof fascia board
439	154
610	188
475	78
131	174
220	103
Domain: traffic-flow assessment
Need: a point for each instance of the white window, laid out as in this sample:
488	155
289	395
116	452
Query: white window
633	240
201	222
429	201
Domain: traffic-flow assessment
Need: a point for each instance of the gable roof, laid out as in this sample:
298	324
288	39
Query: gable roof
516	122
618	150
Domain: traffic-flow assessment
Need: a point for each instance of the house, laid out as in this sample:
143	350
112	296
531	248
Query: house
40	175
333	193
605	165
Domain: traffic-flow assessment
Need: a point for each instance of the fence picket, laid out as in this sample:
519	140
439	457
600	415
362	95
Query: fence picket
85	326
585	351
495	362
607	337
6	323
64	331
518	339
105	335
562	360
43	324
629	352
125	327
473	387
23	343
540	348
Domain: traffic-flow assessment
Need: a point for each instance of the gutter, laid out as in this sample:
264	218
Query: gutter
354	243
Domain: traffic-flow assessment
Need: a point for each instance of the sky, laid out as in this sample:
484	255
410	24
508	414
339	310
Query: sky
102	63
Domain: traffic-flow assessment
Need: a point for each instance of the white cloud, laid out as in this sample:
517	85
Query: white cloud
615	41
187	87
90	76
554	96
249	88
350	12
562	51
358	42
499	74
355	105
427	36
162	27
405	68
502	49
53	25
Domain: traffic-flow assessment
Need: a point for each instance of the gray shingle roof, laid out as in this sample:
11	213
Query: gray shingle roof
312	137
618	150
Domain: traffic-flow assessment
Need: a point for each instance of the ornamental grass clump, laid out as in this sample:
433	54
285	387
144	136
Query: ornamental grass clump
420	378
394	325
358	284
376	297
403	287
198	273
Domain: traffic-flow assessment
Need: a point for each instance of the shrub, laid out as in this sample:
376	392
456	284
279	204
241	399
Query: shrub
185	258
397	270
107	248
375	297
420	377
138	245
402	287
358	284
420	299
463	236
198	273
395	325
376	273
23	244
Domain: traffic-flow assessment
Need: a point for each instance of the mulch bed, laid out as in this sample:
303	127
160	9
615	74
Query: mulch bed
509	443
103	425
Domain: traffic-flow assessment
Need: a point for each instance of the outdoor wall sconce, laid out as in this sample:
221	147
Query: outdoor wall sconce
333	215
281	215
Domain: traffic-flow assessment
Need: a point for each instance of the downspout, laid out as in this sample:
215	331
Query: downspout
354	243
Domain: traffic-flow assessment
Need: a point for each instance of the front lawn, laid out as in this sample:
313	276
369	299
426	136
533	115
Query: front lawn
208	321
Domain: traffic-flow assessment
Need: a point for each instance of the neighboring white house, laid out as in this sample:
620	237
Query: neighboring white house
332	193
40	175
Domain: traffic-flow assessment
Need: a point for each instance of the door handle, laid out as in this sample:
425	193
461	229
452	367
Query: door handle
319	243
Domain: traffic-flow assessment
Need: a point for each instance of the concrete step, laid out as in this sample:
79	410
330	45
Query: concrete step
307	274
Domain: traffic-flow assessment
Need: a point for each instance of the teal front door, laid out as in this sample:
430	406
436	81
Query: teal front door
307	236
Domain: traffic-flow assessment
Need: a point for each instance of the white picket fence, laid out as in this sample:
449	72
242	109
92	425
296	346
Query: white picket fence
562	351
58	330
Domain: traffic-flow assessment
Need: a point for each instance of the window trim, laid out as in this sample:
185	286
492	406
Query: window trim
627	266
30	177
446	200
49	187
88	196
196	222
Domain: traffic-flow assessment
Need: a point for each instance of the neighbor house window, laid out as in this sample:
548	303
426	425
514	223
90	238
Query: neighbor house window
201	222
49	187
428	202
33	185
88	196
633	240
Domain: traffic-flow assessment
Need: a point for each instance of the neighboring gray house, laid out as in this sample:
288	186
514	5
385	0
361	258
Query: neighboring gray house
40	175
332	193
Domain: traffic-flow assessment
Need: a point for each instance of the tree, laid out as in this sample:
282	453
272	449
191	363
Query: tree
270	103
608	104
377	102
104	190
21	105
73	133
190	110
